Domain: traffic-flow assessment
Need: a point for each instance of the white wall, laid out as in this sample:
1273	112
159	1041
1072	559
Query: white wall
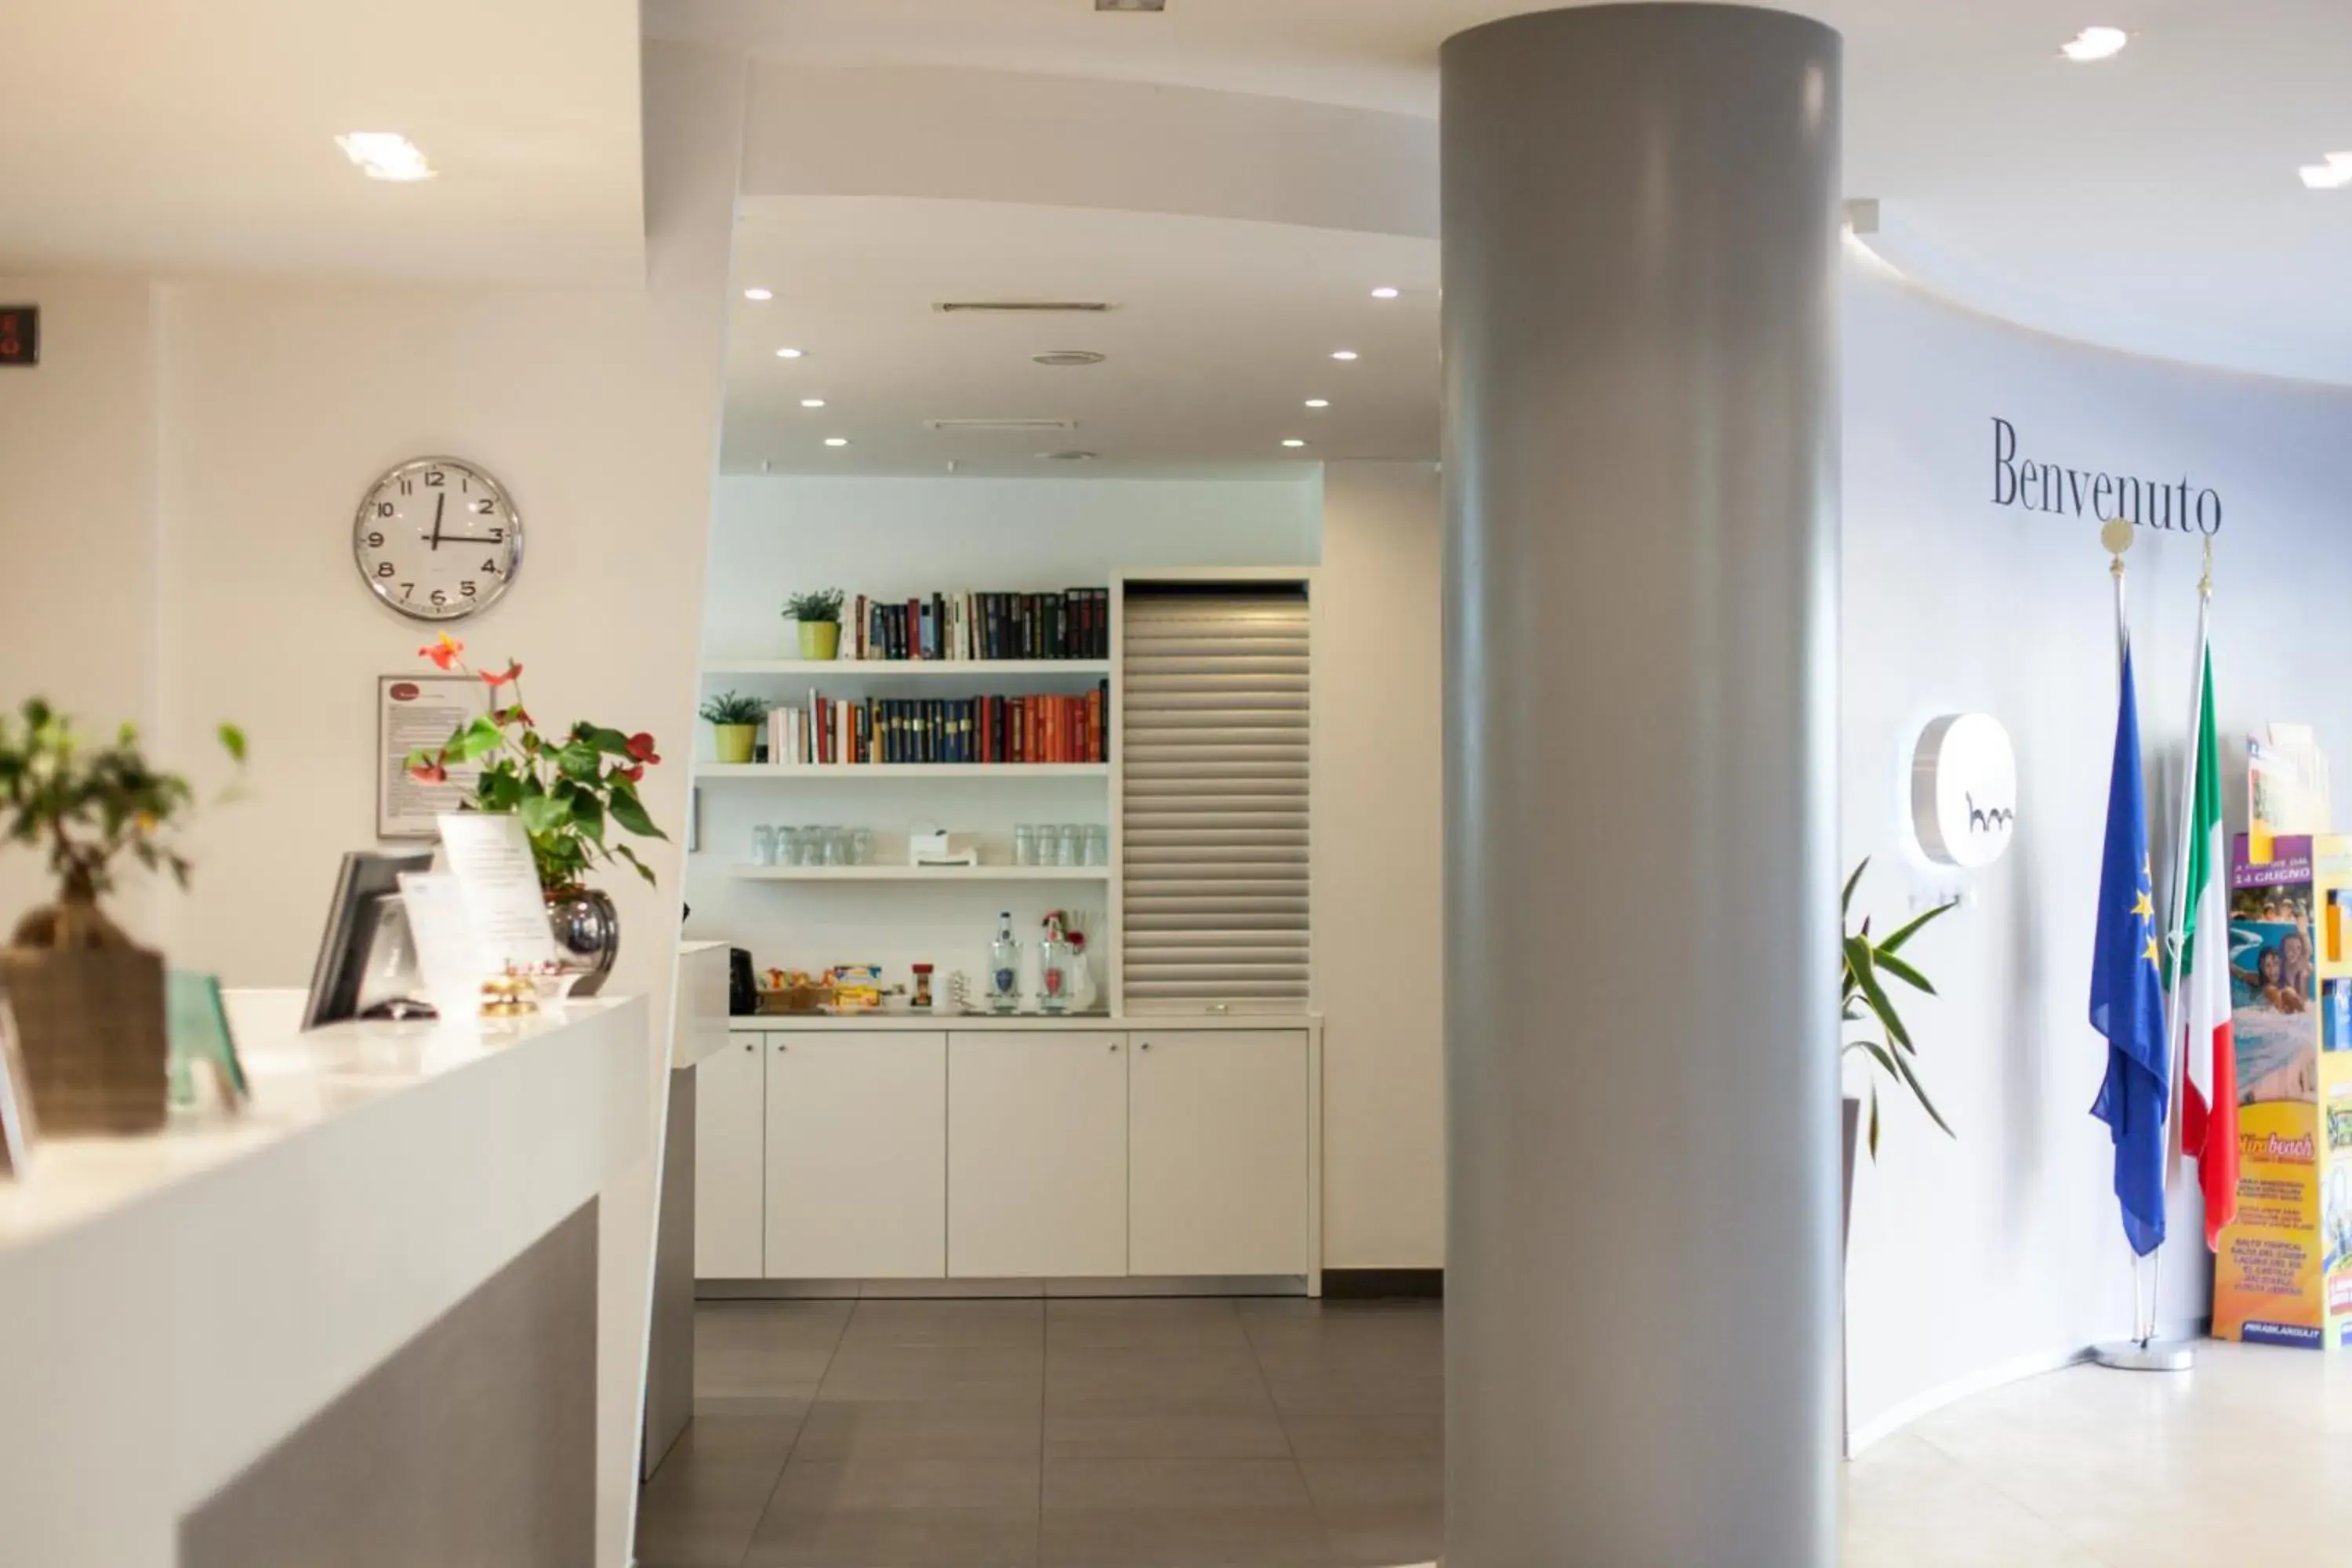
2001	1249
76	526
774	536
1378	840
177	498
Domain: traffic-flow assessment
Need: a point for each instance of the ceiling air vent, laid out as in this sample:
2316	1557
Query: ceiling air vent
1022	306
1069	457
986	426
1059	358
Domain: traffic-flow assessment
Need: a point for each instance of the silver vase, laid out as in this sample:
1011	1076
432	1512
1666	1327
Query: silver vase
587	935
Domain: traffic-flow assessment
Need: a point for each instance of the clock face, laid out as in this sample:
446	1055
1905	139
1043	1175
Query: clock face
437	539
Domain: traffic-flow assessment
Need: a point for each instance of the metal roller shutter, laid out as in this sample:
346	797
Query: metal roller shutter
1214	803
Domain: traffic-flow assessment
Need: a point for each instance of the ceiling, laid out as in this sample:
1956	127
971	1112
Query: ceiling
1220	332
161	135
2148	203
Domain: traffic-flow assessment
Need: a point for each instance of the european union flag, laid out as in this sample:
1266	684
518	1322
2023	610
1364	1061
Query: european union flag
2127	994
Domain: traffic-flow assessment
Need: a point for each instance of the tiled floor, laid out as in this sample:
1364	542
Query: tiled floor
1079	1433
1055	1434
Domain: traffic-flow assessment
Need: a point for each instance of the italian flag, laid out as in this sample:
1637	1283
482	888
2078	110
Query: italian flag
2209	1110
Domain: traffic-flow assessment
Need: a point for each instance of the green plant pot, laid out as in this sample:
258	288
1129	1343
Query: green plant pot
820	639
735	740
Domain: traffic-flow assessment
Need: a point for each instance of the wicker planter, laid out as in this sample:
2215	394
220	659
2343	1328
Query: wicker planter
92	1024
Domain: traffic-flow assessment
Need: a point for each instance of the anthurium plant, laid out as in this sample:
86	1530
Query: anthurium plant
570	791
1866	966
88	805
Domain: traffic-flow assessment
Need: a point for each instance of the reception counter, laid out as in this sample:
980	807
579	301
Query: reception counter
394	1313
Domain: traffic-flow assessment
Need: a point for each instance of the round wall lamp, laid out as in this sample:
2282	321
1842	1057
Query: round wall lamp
1964	790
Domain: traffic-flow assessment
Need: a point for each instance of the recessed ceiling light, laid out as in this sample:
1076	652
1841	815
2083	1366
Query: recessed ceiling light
1384	292
1062	358
2094	44
759	293
789	354
1073	455
1130	4
811	403
1343	354
384	155
1293	441
2332	175
1318	403
836	440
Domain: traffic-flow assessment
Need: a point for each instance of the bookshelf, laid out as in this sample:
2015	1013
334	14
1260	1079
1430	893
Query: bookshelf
852	772
837	670
945	874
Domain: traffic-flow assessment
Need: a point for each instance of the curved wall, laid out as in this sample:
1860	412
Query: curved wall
1998	1253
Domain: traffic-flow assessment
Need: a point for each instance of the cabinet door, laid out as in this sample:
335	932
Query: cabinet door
1036	1154
730	1112
1217	1146
856	1156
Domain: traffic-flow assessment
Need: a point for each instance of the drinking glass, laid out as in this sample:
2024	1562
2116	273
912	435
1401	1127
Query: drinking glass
812	846
1072	848
1024	845
837	846
861	846
1098	845
763	845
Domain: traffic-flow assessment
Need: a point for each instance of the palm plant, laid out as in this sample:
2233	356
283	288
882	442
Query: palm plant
1864	967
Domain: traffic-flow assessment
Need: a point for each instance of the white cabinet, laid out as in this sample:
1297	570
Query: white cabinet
1036	1154
856	1156
730	1110
1217	1148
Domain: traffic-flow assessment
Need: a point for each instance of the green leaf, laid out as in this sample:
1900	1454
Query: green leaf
500	790
625	853
610	742
1846	899
1910	1076
1889	964
1895	943
1878	1054
588	814
232	740
630	813
1873	1124
477	739
542	812
578	760
1858	954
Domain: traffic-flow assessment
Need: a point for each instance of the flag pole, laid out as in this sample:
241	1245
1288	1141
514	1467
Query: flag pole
2144	1351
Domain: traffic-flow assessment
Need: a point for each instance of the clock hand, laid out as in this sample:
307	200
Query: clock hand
438	502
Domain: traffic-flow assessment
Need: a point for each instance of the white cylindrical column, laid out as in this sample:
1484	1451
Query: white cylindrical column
1641	245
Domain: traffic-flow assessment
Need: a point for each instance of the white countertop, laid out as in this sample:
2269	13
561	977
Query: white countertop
779	1022
173	1306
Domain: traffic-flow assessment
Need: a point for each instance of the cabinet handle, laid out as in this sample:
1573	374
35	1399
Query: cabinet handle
783	1047
1114	1044
750	1047
1147	1044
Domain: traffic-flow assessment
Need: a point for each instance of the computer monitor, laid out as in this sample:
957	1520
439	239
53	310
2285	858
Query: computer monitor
363	890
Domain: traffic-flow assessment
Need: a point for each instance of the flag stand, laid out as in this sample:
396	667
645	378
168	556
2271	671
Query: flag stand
2144	1351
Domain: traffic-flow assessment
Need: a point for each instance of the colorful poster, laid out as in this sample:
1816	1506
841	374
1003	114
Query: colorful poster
2269	1276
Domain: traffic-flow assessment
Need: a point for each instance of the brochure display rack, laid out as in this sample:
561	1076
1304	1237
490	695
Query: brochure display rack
2283	1272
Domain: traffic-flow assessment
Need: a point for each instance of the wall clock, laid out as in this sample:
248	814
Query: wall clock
437	539
1964	790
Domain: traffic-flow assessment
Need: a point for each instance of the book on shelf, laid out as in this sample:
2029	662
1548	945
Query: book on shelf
970	626
1038	727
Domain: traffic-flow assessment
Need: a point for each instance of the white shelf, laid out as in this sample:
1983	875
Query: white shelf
904	668
847	772
921	873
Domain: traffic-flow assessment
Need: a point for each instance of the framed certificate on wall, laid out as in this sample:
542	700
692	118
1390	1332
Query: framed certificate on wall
416	712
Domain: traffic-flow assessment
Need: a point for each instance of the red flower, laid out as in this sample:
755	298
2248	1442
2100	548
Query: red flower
641	747
495	681
443	651
631	775
431	773
515	715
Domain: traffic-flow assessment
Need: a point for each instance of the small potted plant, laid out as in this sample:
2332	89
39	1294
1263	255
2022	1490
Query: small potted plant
734	722
819	616
569	790
88	1001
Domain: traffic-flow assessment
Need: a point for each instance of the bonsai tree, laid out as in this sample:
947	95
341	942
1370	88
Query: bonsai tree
1865	968
569	790
88	806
